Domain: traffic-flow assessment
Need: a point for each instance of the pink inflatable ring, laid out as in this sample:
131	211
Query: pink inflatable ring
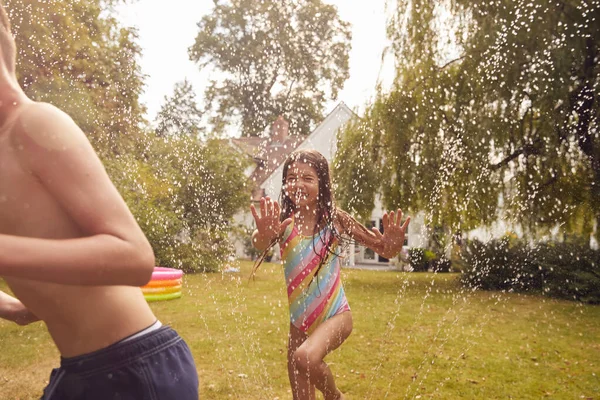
166	274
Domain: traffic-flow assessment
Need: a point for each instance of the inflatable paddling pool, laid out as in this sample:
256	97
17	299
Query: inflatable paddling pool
164	285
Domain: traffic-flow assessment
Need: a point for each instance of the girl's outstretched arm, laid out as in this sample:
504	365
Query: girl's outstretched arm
13	310
388	244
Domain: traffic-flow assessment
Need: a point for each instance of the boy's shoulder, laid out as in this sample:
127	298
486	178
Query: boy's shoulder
34	110
44	125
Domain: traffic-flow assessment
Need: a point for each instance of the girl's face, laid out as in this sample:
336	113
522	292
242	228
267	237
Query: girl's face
302	185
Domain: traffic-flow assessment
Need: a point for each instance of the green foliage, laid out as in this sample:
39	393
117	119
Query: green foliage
182	192
418	259
179	113
497	265
563	270
76	56
570	271
355	182
276	57
184	196
492	100
422	260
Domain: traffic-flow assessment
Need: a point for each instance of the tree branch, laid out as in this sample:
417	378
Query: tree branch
287	96
451	62
548	182
533	148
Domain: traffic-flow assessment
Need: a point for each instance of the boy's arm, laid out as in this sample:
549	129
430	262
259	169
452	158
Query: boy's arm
112	249
13	310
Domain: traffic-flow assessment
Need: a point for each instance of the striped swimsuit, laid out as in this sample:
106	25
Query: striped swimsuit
312	305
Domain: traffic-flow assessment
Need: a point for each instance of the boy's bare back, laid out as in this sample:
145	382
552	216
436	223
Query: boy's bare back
52	186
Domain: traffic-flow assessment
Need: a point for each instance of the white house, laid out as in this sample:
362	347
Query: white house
270	153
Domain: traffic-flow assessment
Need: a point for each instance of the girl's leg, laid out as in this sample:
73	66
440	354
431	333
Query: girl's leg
309	356
301	387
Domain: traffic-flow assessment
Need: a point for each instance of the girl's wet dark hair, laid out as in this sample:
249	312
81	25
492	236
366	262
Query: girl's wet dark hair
325	204
327	212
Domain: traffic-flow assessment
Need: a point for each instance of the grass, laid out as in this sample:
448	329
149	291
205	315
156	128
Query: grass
416	335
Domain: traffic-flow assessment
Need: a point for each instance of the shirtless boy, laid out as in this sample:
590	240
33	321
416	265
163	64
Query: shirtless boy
73	255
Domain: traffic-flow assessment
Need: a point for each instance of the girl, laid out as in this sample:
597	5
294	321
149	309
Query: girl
309	229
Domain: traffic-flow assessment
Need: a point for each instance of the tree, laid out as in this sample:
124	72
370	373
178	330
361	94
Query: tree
179	113
509	123
182	192
76	56
184	195
275	58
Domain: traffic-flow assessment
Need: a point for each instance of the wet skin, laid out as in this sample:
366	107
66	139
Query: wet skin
81	318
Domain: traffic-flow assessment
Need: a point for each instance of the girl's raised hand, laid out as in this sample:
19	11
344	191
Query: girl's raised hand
393	235
267	223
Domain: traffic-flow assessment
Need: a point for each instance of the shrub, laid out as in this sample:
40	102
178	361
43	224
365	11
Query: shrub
422	260
570	271
416	258
497	265
561	270
442	265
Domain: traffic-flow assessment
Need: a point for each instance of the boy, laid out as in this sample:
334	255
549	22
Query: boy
73	255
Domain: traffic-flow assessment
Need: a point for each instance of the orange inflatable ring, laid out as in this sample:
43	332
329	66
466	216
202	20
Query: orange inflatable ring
161	290
165	283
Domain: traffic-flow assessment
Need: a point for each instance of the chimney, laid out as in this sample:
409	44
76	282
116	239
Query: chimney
279	130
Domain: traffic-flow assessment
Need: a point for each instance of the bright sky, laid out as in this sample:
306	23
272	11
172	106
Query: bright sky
168	29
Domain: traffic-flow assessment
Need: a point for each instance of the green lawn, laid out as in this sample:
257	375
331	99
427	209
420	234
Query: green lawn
416	335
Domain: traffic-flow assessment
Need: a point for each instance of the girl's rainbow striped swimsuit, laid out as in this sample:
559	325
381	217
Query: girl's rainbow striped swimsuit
312	304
